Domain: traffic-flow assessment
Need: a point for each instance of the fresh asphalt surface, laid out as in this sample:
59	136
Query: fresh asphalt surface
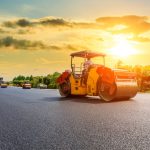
41	120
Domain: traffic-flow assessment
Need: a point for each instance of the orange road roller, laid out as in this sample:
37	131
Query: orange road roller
90	79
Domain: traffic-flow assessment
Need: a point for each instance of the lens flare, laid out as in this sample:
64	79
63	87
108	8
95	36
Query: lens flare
123	47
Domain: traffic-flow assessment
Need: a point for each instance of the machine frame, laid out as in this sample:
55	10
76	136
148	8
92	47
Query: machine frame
107	83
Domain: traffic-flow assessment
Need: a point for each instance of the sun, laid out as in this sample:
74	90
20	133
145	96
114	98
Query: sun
123	47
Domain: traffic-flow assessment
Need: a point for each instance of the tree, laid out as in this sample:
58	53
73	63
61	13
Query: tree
27	78
40	79
119	64
46	80
53	78
31	78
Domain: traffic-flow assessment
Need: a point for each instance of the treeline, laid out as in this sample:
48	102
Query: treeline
49	80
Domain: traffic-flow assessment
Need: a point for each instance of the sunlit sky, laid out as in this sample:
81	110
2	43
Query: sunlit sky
37	37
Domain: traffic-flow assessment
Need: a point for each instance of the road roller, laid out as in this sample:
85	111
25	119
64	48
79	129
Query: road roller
96	79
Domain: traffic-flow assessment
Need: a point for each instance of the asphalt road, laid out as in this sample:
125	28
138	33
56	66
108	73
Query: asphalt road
42	120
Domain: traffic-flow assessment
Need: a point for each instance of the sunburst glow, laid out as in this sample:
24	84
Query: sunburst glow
123	47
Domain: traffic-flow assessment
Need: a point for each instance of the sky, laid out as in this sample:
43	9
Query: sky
37	37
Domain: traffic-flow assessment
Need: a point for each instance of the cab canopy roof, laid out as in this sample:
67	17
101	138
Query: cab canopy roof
87	54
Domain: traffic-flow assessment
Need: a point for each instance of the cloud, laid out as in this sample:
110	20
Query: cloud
31	22
49	21
134	24
35	45
131	24
127	20
54	47
140	39
9	24
23	23
54	22
2	30
75	47
20	22
20	44
20	31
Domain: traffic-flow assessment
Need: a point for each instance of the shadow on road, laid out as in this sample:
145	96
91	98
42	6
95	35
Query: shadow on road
81	99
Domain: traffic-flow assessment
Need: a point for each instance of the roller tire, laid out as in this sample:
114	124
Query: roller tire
65	89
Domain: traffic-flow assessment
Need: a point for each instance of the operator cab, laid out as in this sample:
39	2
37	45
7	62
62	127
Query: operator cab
78	65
